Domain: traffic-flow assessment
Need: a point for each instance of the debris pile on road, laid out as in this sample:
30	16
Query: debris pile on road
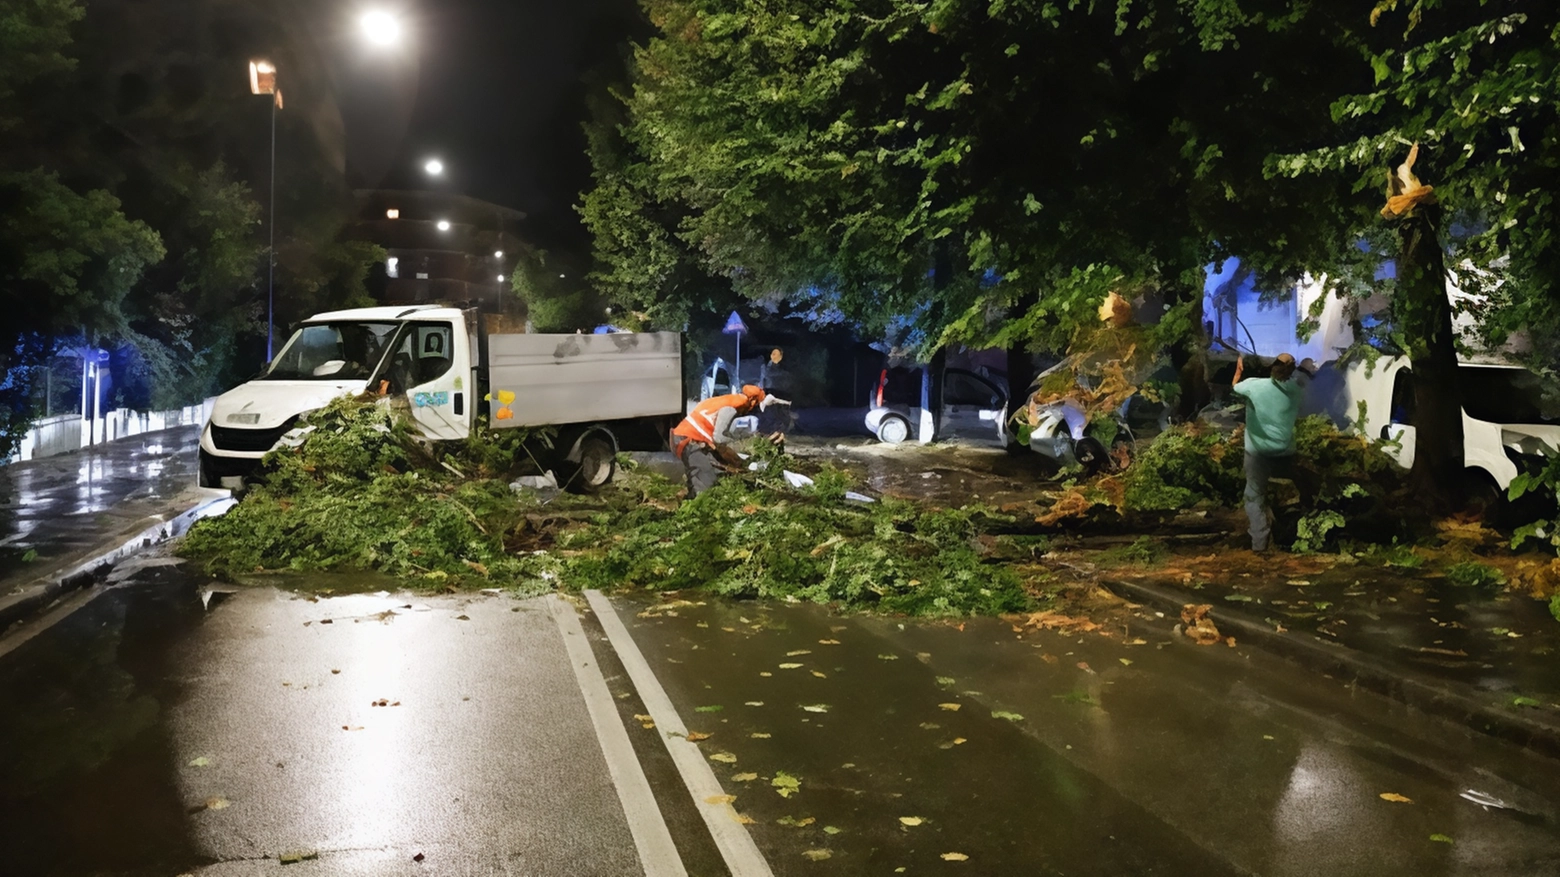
361	494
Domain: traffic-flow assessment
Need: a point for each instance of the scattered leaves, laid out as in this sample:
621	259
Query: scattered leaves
723	757
911	821
1004	714
1441	839
790	666
696	736
1395	798
720	799
785	785
817	855
950	707
744	777
955	857
713	708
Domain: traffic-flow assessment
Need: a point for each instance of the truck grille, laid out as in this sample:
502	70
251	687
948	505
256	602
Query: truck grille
227	438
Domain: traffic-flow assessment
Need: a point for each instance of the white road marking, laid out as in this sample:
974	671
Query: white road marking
731	837
652	838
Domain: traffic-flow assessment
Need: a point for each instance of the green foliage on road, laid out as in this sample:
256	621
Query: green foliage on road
1191	464
1186	465
1472	574
757	537
361	494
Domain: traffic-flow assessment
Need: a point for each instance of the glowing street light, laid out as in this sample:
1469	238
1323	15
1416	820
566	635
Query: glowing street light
380	27
500	278
434	167
262	80
499	254
444	225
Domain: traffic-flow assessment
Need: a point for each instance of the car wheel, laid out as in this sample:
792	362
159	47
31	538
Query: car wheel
1122	453
893	430
1091	454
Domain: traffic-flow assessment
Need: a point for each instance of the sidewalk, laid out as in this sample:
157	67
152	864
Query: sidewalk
1484	657
64	517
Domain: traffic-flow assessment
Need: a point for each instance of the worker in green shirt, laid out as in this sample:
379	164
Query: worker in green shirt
1272	404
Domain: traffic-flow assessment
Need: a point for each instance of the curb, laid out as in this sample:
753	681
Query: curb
1422	692
79	573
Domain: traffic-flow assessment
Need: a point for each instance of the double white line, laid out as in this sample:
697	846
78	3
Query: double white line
652	838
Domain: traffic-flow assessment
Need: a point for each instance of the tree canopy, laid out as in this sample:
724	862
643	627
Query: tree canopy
958	159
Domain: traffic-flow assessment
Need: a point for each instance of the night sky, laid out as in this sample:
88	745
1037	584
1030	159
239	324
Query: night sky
494	89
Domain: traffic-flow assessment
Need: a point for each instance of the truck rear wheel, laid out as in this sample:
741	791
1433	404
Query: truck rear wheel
596	466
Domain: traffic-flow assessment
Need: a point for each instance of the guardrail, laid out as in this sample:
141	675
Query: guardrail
64	433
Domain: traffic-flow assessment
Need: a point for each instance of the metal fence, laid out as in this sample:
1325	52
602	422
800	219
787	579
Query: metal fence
71	432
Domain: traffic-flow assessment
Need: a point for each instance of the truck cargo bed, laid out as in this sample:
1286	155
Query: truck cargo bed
563	379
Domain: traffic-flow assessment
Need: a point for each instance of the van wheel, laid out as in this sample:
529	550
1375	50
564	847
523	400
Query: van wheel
208	478
1488	499
597	465
893	430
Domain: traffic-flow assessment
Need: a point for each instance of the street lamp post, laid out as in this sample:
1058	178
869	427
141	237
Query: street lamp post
262	80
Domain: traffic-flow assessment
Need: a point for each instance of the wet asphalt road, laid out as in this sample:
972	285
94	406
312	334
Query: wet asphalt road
57	506
146	734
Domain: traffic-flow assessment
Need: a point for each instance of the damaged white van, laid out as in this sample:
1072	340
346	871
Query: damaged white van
1510	422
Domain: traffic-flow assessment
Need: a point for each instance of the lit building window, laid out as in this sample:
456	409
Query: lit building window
393	267
392	213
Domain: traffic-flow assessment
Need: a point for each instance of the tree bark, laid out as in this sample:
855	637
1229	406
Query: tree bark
1189	356
1424	314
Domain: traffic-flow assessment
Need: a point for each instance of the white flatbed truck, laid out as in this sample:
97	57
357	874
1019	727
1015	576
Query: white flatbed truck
602	393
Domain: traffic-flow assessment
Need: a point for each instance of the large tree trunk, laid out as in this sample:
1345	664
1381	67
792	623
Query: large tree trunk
1189	355
1424	315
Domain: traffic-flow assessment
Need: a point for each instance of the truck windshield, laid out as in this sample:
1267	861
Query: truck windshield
332	352
1506	395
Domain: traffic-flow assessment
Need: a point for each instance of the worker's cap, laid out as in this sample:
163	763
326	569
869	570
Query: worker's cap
753	392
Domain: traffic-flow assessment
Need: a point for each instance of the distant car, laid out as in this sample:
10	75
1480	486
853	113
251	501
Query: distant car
974	406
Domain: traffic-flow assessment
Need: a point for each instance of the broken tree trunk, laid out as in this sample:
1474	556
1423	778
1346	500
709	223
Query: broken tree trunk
1423	313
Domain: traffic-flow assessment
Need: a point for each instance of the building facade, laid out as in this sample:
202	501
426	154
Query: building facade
442	247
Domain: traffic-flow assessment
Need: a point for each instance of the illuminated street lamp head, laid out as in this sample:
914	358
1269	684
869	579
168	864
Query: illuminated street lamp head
380	27
499	254
444	225
434	167
262	79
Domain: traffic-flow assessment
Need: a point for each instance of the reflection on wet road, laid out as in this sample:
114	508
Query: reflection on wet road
44	502
146	734
1040	753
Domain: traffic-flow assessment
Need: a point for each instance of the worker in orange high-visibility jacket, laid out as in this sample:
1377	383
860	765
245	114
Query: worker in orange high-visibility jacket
702	440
